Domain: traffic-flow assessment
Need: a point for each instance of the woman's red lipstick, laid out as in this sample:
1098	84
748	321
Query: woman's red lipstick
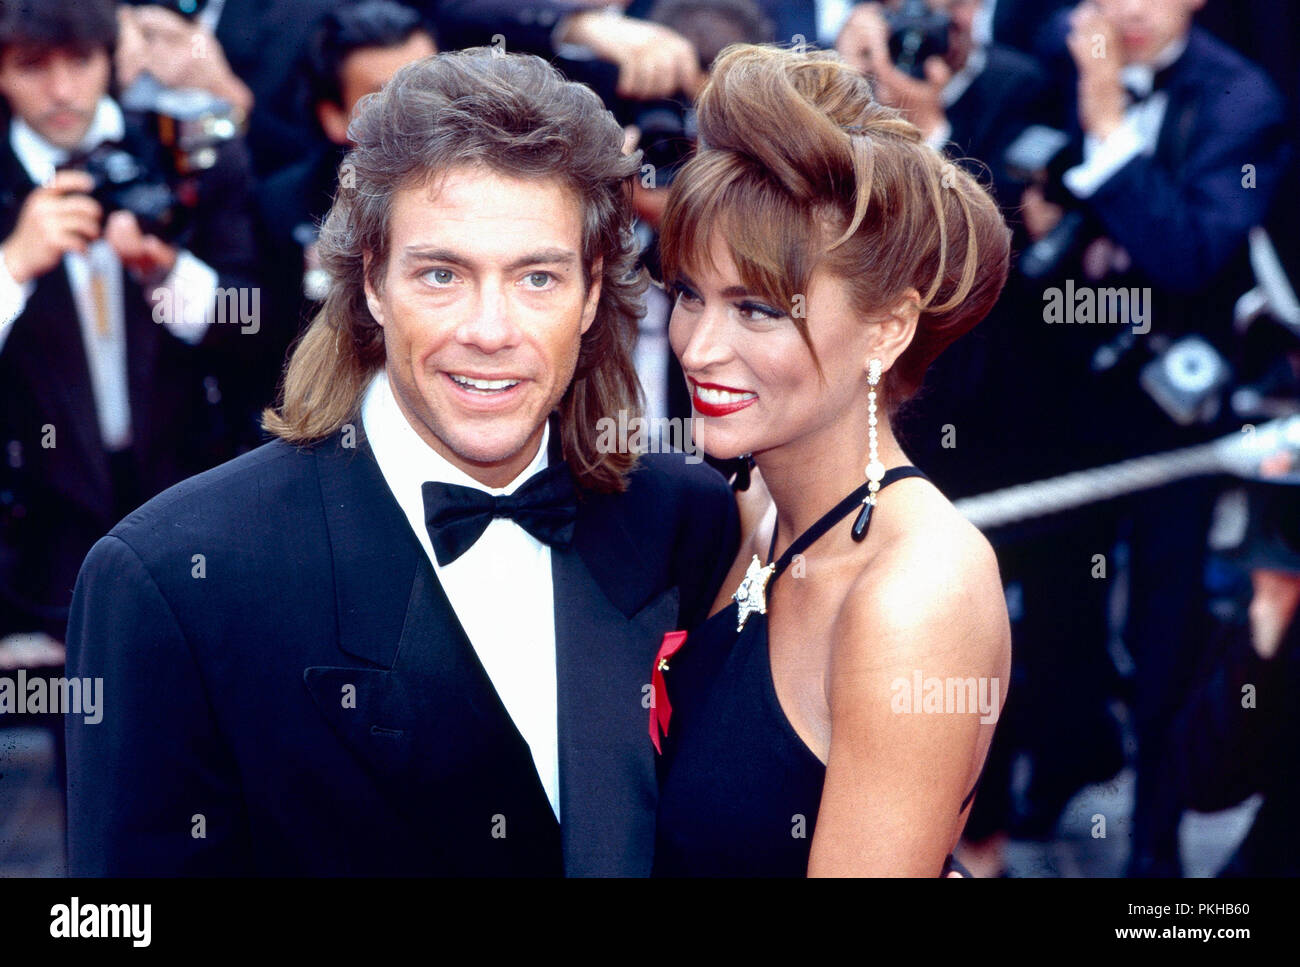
707	408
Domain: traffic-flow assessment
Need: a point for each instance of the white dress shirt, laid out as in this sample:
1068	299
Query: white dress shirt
500	589
1138	134
191	286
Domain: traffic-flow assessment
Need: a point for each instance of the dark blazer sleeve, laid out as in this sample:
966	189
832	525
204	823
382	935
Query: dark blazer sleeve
151	787
224	234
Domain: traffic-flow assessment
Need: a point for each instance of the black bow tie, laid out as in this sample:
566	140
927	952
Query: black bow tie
1159	81
546	506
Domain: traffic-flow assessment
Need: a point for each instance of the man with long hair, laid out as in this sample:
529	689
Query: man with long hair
415	634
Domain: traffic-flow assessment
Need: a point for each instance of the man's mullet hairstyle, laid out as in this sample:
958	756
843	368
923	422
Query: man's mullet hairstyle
515	115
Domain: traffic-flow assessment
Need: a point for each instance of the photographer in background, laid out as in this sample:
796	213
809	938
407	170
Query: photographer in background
103	401
665	132
353	52
969	97
1178	148
649	60
973	99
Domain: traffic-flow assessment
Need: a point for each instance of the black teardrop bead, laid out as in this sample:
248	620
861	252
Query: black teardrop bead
863	522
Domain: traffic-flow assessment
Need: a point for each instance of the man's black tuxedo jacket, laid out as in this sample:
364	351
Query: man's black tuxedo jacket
1007	97
57	500
281	667
1183	214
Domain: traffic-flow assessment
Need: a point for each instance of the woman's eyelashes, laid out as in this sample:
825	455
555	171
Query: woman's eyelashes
748	309
758	312
681	292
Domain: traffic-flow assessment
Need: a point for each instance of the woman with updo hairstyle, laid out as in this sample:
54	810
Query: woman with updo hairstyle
832	716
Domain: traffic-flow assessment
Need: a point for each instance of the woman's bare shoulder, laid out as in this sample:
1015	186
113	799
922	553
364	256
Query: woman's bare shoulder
931	590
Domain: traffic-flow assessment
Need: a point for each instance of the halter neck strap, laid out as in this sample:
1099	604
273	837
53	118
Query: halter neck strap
831	518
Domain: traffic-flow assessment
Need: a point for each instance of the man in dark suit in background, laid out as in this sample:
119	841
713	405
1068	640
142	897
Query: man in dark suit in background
265	41
972	103
354	52
1182	144
101	406
415	634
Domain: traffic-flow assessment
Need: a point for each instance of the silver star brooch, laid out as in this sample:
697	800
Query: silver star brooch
751	596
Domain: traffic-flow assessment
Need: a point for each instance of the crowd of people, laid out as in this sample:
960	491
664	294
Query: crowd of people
166	168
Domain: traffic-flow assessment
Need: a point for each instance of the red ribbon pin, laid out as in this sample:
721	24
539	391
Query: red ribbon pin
661	710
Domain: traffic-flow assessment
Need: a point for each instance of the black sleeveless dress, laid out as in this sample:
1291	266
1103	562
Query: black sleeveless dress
739	789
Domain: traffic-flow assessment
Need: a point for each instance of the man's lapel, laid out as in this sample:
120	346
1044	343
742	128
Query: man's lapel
63	389
428	710
608	625
400	717
375	555
1181	84
375	563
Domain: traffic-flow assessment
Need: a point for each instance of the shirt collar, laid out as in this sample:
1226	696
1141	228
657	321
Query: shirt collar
1141	78
964	78
40	158
405	457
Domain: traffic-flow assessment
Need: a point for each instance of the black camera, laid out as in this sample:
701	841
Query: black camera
126	181
1041	156
155	177
916	33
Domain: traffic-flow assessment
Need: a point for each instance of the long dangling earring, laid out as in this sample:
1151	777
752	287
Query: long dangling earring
741	481
875	470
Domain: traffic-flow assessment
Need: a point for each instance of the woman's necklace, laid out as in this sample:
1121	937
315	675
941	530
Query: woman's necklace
751	596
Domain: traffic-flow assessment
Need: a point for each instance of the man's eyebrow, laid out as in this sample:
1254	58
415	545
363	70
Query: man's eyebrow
545	256
418	253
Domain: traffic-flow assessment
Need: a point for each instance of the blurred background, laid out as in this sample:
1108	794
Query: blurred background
1143	152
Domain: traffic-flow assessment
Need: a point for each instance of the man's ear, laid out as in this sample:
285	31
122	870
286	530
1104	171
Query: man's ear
333	121
372	297
894	331
593	294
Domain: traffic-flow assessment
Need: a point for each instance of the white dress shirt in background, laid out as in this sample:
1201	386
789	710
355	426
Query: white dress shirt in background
190	287
1138	134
